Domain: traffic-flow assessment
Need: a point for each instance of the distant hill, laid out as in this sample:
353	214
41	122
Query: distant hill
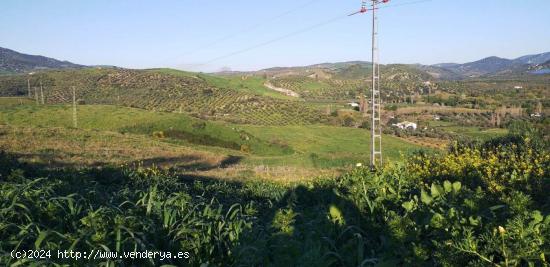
534	59
15	62
482	67
162	90
543	68
490	66
440	71
495	66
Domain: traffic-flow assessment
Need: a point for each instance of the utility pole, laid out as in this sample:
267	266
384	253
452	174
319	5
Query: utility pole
29	87
376	99
36	95
42	93
376	128
75	123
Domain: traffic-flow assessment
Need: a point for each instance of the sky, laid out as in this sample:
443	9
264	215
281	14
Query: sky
250	35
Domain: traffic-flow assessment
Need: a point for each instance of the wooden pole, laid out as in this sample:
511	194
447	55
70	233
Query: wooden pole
75	122
29	87
36	95
42	93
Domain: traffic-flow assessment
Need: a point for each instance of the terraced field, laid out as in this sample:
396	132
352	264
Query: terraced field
161	91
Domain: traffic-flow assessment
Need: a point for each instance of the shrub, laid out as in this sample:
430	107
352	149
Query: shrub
480	204
158	134
245	148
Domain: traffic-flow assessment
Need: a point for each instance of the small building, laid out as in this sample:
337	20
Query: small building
405	125
536	115
353	104
518	87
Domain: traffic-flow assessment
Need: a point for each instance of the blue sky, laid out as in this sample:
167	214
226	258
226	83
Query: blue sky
183	33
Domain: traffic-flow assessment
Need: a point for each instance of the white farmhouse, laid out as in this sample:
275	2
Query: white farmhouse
353	104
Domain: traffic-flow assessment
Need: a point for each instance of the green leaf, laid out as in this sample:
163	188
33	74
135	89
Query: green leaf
40	238
436	190
448	186
473	221
336	215
537	216
496	207
409	205
437	221
457	186
425	198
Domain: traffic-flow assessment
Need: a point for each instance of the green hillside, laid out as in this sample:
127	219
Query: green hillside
176	127
347	82
166	90
307	147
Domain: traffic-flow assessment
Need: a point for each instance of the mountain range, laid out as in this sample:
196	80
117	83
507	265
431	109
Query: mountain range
15	62
486	67
494	66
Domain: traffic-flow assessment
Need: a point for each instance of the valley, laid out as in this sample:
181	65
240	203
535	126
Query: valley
288	123
271	167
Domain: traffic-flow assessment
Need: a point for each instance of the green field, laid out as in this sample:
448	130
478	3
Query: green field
331	146
230	99
15	101
243	83
470	131
302	148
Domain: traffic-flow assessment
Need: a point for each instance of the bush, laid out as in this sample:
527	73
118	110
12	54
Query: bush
158	134
480	204
390	107
245	148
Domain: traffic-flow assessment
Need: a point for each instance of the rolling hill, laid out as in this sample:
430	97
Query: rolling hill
495	66
15	62
199	95
489	66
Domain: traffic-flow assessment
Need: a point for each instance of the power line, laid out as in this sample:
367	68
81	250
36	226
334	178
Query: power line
312	27
276	39
406	4
364	9
251	27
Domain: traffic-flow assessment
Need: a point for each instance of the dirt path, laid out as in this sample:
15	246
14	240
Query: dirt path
285	91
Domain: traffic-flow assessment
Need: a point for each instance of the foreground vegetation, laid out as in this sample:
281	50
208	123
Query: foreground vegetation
480	204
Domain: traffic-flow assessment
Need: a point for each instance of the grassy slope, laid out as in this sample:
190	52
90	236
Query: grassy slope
326	146
112	118
313	146
250	85
471	131
62	147
14	101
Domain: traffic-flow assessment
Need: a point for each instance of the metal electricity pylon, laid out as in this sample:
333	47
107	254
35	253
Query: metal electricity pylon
376	99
